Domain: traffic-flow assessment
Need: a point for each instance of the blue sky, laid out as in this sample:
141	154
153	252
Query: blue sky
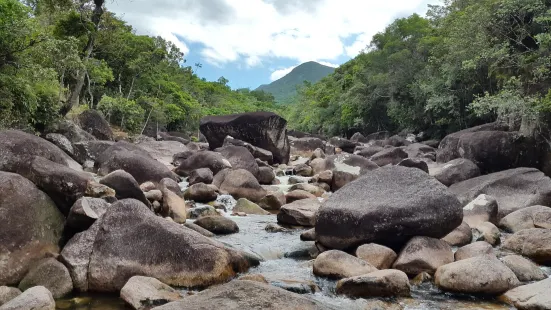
253	42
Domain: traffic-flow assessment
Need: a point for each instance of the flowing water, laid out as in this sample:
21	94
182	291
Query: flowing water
287	257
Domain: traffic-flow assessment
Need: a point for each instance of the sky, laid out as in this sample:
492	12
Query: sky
254	42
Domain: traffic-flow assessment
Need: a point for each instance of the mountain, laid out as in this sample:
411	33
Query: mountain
285	87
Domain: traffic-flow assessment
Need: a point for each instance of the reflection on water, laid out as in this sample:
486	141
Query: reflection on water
275	249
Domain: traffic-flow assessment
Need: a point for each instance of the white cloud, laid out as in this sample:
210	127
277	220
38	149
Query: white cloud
252	30
278	74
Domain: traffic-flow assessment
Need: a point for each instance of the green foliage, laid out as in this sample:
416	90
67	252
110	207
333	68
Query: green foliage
127	114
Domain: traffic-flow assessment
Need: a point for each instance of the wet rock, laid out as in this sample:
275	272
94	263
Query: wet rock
173	206
421	278
85	212
200	192
134	160
522	219
218	225
475	249
240	184
460	236
61	142
423	254
483	209
31	227
524	269
143	293
266	175
303	170
201	175
274	228
245	295
389	156
248	207
8	293
125	186
297	195
35	298
262	129
488	232
51	274
456	171
386	207
513	189
295	286
533	243
338	264
377	255
343	144
312	189
297	180
90	150
301	212
93	122
239	158
273	201
18	149
254	277
530	297
382	283
302	251
414	163
381	305
200	211
309	235
199	229
476	275
112	257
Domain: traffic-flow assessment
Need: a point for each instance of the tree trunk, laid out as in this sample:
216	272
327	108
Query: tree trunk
131	86
77	87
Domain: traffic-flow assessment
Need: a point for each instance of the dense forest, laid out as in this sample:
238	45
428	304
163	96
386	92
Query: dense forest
467	62
59	57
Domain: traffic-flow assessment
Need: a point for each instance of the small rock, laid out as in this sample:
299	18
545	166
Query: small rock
324	177
125	186
201	175
415	163
482	209
200	192
297	180
377	255
273	201
154	195
201	211
298	195
248	207
173	205
147	186
8	293
303	170
423	254
273	228
85	212
460	236
309	235
338	264
241	214
421	278
218	225
312	189
524	269
301	212
144	293
265	175
488	232
35	298
295	286
474	249
476	275
381	283
50	274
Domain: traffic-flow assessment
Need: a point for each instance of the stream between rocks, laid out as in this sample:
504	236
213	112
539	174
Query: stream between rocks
286	257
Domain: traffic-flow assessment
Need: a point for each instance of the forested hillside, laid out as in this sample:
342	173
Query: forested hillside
467	62
59	56
285	88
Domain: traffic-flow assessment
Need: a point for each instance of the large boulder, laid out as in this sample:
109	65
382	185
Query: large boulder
533	296
368	151
129	235
18	149
201	192
85	212
455	171
258	153
381	283
301	212
387	206
261	129
524	269
248	207
134	160
71	131
61	142
475	249
93	122
125	186
240	295
482	209
477	275
338	264
358	137
513	189
35	298
204	159
522	219
51	274
218	225
90	150
306	146
201	175
31	227
492	151
142	293
239	183
163	151
389	156
420	151
534	243
423	254
343	144
239	158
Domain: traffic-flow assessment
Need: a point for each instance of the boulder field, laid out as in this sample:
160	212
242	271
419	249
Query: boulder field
376	216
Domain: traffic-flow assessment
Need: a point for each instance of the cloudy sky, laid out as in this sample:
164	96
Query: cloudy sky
253	42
